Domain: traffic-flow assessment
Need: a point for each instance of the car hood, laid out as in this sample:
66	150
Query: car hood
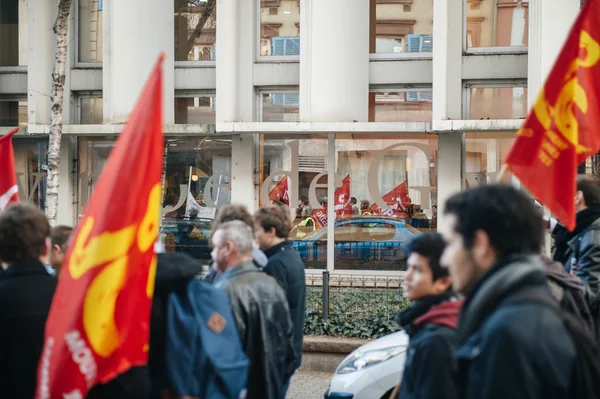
395	339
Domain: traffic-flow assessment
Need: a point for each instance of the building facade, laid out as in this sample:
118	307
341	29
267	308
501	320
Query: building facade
329	100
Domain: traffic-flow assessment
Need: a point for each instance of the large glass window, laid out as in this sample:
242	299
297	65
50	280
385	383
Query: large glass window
31	167
385	195
401	106
497	102
13	32
401	26
498	23
197	182
279	27
484	154
90	30
195	30
282	106
296	166
199	109
13	113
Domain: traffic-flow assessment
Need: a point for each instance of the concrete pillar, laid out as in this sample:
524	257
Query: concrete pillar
242	165
334	74
549	25
447	96
237	43
42	46
134	33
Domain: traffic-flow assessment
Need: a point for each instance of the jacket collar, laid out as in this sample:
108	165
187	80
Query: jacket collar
242	268
427	310
24	268
506	276
284	246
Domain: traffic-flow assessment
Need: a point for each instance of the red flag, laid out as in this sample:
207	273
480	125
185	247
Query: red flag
320	217
397	200
341	199
99	320
9	191
563	128
281	191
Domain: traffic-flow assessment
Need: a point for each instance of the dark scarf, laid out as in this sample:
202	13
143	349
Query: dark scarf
562	236
405	318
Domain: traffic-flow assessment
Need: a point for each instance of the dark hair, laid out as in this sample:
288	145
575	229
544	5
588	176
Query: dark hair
507	215
589	185
231	212
23	232
431	246
274	217
59	235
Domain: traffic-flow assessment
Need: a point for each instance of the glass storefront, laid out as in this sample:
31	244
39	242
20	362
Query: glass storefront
385	193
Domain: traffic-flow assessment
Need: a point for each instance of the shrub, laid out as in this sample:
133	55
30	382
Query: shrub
354	312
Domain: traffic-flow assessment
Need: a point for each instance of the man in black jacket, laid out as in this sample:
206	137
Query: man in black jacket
510	345
260	309
429	371
26	291
579	250
271	229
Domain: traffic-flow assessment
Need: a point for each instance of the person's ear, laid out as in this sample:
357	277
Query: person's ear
442	284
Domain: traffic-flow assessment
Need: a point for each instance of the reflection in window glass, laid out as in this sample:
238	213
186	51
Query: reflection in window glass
309	235
201	164
498	103
91	111
195	110
409	106
90	30
497	23
13	113
402	27
369	236
484	155
13	32
281	107
31	167
279	27
195	30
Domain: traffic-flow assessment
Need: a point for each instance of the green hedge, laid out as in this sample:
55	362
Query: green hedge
354	312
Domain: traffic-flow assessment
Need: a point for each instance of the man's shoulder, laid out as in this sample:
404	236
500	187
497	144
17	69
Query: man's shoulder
435	337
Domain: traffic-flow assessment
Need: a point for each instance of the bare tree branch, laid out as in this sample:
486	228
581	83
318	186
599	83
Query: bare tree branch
61	27
208	11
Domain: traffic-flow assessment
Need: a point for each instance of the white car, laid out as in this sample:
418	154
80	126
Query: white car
371	371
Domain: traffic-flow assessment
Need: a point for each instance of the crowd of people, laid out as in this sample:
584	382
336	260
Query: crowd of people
492	316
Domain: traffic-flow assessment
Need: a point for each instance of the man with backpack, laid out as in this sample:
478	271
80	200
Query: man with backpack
429	371
260	309
514	341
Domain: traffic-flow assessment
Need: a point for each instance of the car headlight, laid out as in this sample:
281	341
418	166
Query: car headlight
361	360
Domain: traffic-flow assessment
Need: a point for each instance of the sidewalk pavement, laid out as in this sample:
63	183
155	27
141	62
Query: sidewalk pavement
308	385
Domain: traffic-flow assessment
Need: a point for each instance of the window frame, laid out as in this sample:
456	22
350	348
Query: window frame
275	90
78	63
257	38
486	84
83	95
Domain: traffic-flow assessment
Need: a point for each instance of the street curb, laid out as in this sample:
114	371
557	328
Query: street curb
324	354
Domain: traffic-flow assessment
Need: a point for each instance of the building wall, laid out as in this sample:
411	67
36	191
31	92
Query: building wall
235	120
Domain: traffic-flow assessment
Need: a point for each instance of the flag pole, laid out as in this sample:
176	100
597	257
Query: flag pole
502	172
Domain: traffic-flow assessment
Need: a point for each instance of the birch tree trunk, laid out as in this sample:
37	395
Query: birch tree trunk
61	27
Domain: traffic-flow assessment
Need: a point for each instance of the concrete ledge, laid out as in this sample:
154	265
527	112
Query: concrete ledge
324	354
331	344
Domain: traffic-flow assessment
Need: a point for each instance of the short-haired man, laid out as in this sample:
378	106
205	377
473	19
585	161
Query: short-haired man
272	226
228	213
26	291
260	309
579	250
59	238
509	346
429	371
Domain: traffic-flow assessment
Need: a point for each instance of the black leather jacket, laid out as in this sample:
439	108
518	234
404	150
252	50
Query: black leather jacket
263	319
584	259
